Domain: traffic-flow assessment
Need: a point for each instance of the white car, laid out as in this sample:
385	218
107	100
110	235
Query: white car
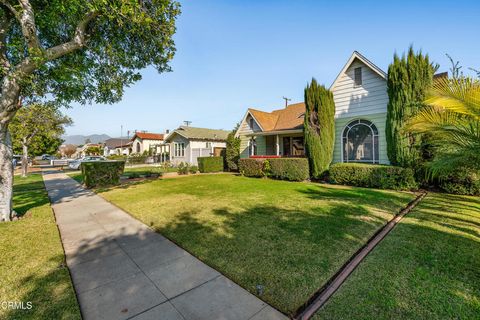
75	164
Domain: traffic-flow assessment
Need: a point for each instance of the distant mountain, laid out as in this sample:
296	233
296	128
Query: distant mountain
80	139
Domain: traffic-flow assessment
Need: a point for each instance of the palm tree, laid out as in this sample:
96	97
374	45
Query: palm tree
451	118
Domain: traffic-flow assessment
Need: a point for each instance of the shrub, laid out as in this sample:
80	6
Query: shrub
210	164
293	169
193	169
373	176
137	158
461	182
252	167
182	168
117	157
102	173
232	153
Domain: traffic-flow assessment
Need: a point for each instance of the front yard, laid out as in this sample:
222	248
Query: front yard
289	238
32	262
427	268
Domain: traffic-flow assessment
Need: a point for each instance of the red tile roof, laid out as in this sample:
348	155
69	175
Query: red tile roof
148	136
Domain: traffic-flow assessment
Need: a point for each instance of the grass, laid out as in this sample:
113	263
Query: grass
427	268
288	237
32	261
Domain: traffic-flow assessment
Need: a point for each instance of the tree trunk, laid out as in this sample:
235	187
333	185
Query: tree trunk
24	158
6	174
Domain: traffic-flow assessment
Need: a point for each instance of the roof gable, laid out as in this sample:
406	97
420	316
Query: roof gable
356	55
289	118
193	133
148	136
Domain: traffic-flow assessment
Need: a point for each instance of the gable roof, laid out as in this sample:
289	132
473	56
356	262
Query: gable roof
289	118
368	63
193	133
148	136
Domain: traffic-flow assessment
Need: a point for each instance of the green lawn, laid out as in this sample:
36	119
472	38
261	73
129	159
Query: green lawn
288	237
427	268
32	266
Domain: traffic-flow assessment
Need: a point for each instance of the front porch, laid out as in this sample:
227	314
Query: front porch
281	144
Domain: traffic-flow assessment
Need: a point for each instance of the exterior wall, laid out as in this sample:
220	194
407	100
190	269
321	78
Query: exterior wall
245	129
179	139
369	98
189	146
144	144
378	119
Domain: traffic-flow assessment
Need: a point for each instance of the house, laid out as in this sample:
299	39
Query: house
360	95
88	149
186	144
117	146
145	141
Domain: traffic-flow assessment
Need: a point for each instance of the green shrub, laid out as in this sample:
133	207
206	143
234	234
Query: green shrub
117	157
182	168
252	167
210	164
293	169
461	182
373	176
193	169
137	158
102	173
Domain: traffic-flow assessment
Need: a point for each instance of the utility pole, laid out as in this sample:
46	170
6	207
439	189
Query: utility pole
286	101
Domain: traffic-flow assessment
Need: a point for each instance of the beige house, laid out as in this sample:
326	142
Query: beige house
145	141
360	95
186	144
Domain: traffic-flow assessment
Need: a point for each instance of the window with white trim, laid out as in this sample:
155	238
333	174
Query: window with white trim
360	142
179	149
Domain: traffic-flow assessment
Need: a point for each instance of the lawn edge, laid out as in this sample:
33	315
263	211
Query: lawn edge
320	298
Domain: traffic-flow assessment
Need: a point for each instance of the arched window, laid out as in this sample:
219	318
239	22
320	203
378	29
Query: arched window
138	147
360	142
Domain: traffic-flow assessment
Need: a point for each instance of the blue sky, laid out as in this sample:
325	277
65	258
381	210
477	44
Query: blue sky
232	55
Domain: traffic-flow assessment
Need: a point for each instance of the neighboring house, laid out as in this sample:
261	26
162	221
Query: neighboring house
186	144
117	146
144	141
82	151
360	95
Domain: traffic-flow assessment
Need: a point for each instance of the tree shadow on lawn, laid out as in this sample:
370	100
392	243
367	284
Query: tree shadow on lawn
292	253
29	195
50	294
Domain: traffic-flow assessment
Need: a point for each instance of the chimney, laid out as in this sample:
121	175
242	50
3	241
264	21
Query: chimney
167	131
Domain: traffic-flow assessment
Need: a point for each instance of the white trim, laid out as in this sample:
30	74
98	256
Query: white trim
375	161
271	133
368	63
245	118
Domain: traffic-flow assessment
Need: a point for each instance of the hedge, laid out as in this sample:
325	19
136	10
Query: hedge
373	176
293	169
102	173
251	167
461	182
210	164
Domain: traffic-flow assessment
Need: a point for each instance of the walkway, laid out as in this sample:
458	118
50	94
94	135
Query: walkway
121	269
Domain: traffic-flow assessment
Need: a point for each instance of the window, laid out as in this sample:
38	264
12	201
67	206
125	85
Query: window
208	145
252	147
360	142
179	149
358	77
138	147
251	123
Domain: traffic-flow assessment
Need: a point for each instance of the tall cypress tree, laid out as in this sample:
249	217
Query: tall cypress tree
319	127
409	77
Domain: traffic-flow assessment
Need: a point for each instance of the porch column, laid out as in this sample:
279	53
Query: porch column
277	145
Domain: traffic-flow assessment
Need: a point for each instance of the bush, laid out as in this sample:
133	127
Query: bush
182	168
137	158
252	167
210	164
293	169
102	173
373	176
193	169
461	182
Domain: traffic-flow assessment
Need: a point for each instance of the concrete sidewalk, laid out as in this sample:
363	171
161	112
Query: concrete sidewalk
121	269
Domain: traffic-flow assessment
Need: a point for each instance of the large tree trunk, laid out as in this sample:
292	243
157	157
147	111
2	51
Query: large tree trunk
6	174
24	158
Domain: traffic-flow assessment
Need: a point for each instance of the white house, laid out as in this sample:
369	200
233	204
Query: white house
144	141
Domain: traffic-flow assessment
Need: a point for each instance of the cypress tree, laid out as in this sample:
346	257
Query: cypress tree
319	128
409	77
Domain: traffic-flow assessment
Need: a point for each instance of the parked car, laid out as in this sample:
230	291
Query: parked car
48	157
75	164
16	160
